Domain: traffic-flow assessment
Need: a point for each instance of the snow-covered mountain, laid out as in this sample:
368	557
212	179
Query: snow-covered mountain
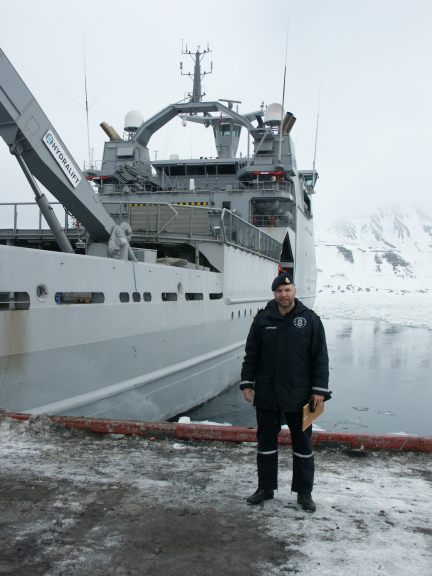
391	250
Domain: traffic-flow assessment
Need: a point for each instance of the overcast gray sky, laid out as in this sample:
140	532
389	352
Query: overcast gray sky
369	59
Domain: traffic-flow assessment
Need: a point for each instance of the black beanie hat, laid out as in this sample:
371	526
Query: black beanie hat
284	278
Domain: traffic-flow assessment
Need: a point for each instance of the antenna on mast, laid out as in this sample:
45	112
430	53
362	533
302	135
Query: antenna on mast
283	95
197	75
314	179
87	107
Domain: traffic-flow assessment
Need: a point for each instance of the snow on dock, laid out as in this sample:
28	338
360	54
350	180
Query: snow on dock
77	503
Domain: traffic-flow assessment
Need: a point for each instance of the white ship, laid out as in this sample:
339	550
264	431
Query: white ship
138	305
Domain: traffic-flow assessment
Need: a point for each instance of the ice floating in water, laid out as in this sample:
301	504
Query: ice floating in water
386	412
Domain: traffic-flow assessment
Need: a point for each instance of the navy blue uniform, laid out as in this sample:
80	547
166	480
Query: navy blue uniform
286	361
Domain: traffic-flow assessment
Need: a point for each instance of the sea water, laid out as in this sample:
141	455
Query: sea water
380	376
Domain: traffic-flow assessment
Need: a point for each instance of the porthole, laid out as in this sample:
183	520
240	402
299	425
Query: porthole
42	292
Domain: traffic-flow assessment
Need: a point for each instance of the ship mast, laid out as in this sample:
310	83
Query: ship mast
196	95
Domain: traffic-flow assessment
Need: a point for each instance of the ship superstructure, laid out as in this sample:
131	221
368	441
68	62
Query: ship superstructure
144	311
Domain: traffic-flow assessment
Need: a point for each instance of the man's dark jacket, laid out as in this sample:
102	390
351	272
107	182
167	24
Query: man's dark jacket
286	358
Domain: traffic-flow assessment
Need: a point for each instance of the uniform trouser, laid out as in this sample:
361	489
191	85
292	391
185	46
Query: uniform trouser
269	425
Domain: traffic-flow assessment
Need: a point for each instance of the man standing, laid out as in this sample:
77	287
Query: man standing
285	367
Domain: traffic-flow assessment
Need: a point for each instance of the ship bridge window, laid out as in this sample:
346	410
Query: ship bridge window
210	169
147	297
195	170
179	170
136	296
227	169
230	130
14	301
272	211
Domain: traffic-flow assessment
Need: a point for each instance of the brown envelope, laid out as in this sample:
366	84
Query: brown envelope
309	417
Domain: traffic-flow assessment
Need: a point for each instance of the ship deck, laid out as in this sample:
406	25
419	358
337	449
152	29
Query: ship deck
76	503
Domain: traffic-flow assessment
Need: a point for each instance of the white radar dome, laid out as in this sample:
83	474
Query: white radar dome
133	120
273	114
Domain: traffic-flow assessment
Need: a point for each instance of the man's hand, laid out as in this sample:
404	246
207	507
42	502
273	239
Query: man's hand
248	394
317	399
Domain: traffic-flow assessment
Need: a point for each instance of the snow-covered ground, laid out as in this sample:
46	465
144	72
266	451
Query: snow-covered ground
75	504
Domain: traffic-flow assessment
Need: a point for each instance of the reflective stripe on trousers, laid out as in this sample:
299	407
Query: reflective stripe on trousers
269	425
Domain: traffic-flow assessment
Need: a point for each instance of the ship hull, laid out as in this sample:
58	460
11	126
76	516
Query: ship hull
146	360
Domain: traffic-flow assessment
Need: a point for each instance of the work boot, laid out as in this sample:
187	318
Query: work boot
306	502
260	495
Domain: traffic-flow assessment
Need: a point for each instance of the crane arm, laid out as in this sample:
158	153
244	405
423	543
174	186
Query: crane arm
29	133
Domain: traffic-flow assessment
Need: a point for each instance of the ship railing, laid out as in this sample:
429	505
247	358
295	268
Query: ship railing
175	222
173	184
150	222
240	233
27	217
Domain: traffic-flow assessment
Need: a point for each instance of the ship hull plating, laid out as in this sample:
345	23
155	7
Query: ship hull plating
146	359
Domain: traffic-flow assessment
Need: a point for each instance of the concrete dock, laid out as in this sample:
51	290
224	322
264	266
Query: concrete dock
75	503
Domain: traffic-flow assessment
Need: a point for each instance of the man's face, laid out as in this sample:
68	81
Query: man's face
284	296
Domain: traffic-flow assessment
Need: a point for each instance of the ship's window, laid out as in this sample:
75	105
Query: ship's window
177	170
232	315
226	169
272	211
238	314
226	204
210	169
79	298
124	296
136	296
147	297
215	295
125	152
194	296
195	170
307	204
14	301
169	296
